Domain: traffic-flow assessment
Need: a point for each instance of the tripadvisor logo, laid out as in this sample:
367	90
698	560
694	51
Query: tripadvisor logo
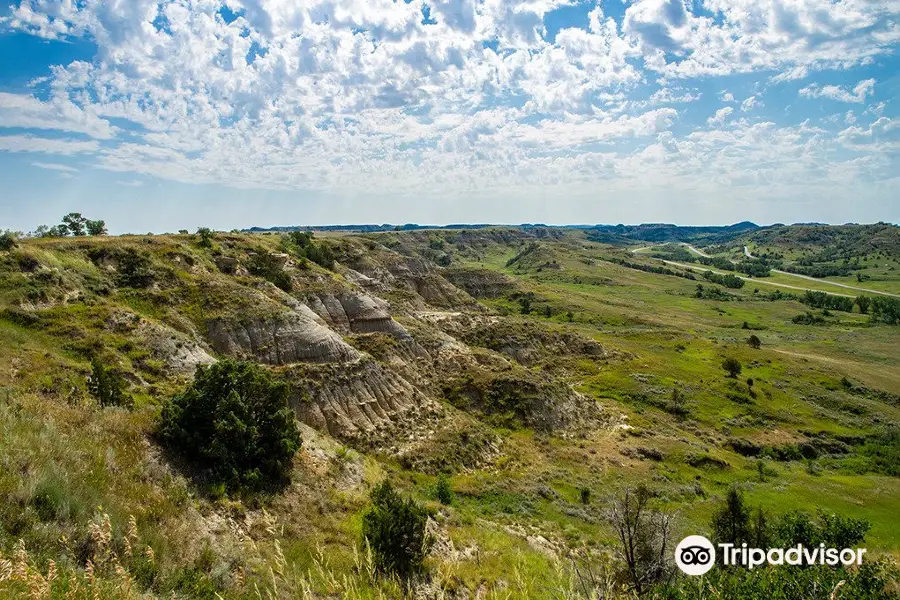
696	555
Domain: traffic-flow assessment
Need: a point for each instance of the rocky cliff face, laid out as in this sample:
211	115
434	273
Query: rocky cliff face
279	339
364	402
356	313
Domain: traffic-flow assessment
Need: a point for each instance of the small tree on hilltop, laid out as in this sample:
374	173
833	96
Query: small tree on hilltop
732	366
754	342
234	424
395	530
75	223
206	236
8	240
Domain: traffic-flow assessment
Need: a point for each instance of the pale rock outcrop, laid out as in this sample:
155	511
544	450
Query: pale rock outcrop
279	339
367	403
356	313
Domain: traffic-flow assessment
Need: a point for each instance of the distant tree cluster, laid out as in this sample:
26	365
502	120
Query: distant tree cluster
302	245
729	280
806	267
72	224
886	309
827	301
652	269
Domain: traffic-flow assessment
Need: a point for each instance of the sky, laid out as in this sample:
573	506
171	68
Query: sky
166	115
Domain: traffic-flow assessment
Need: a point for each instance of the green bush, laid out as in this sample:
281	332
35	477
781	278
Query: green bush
269	267
733	366
107	386
395	530
442	490
234	424
8	240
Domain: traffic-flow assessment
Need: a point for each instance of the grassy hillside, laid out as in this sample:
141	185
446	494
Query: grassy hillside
539	371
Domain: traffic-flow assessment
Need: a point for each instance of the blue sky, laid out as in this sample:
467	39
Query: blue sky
158	116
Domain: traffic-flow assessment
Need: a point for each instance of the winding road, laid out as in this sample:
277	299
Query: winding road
843	285
763	281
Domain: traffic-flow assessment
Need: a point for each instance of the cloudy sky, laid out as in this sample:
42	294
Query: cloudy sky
229	113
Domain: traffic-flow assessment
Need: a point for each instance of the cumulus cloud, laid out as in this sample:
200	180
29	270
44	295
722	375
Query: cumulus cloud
22	110
360	97
833	92
721	116
751	103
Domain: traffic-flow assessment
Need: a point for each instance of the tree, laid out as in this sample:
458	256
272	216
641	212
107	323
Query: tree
107	386
395	529
754	342
525	304
442	490
863	303
731	521
233	423
678	403
643	536
271	268
206	236
8	240
75	223
97	227
301	239
732	365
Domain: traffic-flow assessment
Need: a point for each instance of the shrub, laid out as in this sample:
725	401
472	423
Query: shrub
585	495
269	267
754	342
732	366
643	537
395	530
233	422
135	269
442	490
107	386
8	240
206	236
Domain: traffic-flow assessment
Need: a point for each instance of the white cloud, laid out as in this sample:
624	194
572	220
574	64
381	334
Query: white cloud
751	103
21	110
29	143
791	74
721	116
54	167
673	96
741	36
361	98
833	92
883	135
130	182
